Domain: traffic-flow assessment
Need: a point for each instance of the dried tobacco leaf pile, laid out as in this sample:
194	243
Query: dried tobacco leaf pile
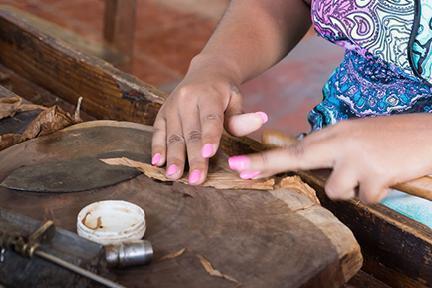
48	121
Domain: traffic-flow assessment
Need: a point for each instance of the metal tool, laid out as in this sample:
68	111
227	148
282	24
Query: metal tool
132	253
72	175
31	246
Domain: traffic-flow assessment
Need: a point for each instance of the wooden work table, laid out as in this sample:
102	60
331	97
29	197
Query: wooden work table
47	71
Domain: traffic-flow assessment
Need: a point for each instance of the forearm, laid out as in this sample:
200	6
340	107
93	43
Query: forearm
252	36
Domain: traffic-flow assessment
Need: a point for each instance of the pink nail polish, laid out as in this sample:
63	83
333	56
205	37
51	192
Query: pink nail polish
156	158
194	176
172	169
207	151
263	116
249	174
239	162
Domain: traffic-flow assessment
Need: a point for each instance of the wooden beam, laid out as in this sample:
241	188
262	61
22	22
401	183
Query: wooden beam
397	249
56	66
119	28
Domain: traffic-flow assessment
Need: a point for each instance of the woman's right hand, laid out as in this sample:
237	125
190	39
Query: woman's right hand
192	120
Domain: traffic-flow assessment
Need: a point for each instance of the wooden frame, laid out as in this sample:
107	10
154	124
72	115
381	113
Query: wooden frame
397	250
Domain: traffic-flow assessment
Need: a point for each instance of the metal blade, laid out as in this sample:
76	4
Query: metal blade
73	175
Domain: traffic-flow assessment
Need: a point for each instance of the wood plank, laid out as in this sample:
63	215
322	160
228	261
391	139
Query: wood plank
397	249
35	93
119	28
98	49
363	280
276	238
420	187
108	93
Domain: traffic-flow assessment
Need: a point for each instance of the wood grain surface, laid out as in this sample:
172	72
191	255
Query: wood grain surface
275	238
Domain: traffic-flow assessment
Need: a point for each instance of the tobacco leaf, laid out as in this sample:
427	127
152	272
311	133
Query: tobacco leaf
295	183
213	272
30	107
217	179
172	255
9	106
47	122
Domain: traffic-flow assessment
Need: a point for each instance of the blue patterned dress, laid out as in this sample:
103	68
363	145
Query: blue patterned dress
387	68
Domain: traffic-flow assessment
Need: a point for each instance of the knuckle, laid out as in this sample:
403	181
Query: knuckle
296	150
366	198
370	193
193	136
157	130
213	117
185	93
196	163
330	190
264	160
175	139
330	193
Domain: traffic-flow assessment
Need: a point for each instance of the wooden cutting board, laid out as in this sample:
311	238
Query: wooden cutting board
255	238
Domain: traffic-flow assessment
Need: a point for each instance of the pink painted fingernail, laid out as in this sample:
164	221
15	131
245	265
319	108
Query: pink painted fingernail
263	116
239	162
156	158
172	169
249	174
194	176
208	150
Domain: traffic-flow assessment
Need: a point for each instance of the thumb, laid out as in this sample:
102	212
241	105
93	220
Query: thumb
238	123
244	124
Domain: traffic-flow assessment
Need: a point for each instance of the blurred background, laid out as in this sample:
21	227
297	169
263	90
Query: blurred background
168	33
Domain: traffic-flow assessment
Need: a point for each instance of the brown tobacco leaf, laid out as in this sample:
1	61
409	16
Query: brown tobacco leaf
30	107
9	106
213	272
173	255
47	122
217	179
295	183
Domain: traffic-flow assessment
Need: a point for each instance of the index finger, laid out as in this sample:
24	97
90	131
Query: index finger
298	156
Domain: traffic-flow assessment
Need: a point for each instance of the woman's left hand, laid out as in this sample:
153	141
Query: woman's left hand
372	153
